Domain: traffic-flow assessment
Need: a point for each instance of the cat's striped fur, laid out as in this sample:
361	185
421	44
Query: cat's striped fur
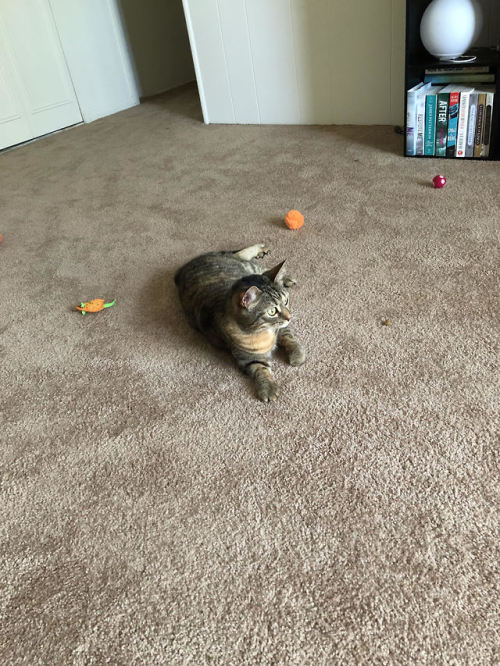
238	305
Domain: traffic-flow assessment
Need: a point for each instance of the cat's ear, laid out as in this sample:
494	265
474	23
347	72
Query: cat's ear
272	274
248	297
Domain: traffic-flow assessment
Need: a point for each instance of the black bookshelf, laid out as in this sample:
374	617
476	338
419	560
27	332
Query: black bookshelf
417	59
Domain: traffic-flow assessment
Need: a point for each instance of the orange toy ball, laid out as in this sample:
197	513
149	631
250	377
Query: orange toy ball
294	219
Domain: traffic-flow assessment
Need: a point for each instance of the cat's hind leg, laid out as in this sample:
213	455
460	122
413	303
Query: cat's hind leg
288	281
253	252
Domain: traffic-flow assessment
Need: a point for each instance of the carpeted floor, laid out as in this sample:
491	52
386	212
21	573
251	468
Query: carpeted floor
152	510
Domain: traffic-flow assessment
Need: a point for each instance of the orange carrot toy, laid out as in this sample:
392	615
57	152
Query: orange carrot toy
94	306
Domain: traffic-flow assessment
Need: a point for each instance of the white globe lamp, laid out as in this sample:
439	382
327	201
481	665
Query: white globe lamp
449	27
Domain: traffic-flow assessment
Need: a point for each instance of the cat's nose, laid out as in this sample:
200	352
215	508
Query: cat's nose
285	313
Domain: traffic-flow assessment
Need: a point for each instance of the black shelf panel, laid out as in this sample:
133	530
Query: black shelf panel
449	159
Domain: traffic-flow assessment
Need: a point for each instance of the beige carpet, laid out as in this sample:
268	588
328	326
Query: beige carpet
152	510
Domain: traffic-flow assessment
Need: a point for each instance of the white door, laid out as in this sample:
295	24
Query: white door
36	93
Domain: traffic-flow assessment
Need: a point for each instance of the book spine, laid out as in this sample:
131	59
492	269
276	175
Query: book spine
450	69
451	141
478	136
430	125
463	114
488	112
471	126
442	124
411	119
420	122
459	78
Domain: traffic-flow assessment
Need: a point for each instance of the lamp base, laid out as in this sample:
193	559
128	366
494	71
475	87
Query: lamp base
458	60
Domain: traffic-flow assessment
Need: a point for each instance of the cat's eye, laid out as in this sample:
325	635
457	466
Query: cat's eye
272	312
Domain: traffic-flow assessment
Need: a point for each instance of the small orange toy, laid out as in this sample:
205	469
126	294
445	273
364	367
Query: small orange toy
96	305
294	219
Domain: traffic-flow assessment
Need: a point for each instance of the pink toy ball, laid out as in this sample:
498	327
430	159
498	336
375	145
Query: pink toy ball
439	181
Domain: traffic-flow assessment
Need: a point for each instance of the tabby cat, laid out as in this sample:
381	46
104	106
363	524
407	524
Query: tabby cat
239	306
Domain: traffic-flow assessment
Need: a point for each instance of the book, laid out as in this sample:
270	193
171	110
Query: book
478	136
458	69
442	123
459	78
430	121
411	119
451	141
488	112
453	103
471	125
420	123
463	115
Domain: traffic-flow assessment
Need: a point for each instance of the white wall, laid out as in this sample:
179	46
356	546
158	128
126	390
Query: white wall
158	39
94	45
299	61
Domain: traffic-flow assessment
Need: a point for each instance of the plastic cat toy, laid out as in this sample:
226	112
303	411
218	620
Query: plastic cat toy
96	305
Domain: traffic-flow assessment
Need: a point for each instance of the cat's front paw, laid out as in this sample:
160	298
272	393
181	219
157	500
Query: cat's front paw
289	281
267	391
297	356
